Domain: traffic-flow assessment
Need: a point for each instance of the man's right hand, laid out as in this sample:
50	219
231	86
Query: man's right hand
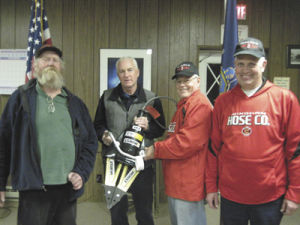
212	200
106	138
2	198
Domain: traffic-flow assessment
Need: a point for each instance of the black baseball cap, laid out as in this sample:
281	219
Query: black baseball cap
250	46
185	69
45	48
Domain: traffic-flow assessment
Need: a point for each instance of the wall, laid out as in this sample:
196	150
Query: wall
173	29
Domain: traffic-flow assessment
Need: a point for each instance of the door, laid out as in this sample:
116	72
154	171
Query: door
209	70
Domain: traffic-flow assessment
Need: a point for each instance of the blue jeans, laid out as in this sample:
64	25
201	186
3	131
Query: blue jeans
186	212
233	213
51	207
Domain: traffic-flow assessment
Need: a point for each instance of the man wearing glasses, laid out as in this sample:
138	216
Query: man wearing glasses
184	151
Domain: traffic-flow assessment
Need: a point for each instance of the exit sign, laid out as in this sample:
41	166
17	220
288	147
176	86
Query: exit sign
241	11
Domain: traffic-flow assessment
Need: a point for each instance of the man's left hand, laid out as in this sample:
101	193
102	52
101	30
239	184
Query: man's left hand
76	180
288	207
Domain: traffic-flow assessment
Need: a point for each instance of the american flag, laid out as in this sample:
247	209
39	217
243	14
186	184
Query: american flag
38	35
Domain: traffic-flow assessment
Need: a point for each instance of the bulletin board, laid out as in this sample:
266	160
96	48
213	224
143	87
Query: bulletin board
12	69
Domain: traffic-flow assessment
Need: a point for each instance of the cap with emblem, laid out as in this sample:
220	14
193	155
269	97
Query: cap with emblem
185	69
250	46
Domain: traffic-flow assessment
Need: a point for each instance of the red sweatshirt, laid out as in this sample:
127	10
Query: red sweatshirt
254	146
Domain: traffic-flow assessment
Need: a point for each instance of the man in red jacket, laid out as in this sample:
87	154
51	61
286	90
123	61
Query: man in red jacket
184	151
254	156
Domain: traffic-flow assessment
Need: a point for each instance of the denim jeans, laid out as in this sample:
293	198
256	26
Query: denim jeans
51	207
233	213
186	212
142	195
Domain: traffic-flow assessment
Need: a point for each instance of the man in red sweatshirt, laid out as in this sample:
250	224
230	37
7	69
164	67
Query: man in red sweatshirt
254	156
184	151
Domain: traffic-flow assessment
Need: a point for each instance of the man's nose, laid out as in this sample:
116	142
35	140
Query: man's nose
51	62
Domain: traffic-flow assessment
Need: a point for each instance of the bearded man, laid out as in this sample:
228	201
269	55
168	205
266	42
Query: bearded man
47	144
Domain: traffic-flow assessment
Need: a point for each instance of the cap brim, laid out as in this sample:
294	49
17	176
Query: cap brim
183	73
246	52
48	48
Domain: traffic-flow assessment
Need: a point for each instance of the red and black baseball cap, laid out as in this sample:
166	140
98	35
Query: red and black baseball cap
250	46
45	48
185	69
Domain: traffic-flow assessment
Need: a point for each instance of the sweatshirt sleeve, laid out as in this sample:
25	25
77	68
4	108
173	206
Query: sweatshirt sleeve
292	149
191	138
215	144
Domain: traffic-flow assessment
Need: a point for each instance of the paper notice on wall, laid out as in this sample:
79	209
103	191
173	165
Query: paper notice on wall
282	82
12	69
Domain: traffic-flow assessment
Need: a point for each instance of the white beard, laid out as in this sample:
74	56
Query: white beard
50	78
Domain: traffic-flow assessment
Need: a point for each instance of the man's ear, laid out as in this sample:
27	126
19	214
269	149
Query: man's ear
264	65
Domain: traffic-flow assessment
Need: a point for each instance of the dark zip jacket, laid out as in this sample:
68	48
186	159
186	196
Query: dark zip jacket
18	142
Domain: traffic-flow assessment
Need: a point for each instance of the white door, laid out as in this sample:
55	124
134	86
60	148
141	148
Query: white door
209	70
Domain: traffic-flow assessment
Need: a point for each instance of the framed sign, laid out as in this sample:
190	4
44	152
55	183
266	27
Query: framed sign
293	56
108	74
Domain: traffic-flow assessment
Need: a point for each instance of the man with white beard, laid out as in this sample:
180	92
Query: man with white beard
47	144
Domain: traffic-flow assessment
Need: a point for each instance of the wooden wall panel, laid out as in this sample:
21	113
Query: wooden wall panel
101	40
84	61
54	11
173	29
8	24
197	22
133	24
22	23
148	34
117	24
163	46
68	32
163	77
213	20
84	50
260	21
179	37
276	52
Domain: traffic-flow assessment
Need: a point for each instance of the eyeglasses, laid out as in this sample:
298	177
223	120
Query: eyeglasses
49	59
185	81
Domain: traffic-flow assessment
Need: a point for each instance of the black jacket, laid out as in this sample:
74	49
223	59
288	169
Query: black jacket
18	144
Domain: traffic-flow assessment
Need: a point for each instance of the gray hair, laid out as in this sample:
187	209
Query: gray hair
126	58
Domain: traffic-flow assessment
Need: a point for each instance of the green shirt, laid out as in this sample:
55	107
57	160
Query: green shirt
54	137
